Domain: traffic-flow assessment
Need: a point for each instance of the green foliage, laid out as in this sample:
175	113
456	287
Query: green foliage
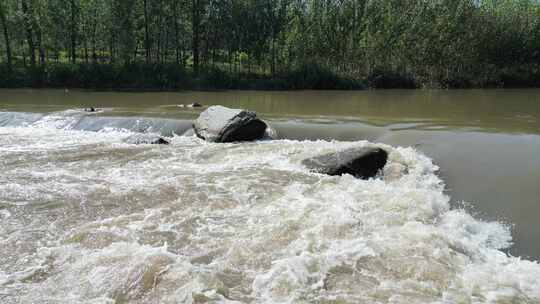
16	77
143	76
387	79
217	79
316	44
314	76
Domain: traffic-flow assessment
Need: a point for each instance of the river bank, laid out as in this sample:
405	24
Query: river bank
174	77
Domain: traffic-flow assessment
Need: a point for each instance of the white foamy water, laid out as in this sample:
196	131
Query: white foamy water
87	218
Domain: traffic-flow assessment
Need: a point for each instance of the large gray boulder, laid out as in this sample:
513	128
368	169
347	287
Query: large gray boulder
221	124
364	162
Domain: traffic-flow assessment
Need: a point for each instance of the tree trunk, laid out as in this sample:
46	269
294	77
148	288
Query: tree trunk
136	51
182	56
85	50
56	49
204	61
146	34
229	55
273	63
176	31
273	66
214	56
73	35
94	52
6	36
195	21
38	36
41	49
159	41
111	49
94	26
166	48
29	34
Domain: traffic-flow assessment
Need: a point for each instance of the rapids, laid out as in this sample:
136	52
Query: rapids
87	218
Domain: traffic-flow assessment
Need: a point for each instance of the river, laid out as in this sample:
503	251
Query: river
88	218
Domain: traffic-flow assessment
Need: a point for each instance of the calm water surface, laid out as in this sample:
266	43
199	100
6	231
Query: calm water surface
486	144
503	111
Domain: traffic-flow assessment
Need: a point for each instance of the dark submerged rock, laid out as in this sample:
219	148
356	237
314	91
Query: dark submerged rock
362	162
149	139
221	124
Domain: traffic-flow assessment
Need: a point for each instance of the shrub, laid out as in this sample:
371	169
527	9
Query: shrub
314	76
218	79
386	79
64	74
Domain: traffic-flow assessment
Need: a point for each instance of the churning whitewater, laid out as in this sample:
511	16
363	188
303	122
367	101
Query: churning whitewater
88	218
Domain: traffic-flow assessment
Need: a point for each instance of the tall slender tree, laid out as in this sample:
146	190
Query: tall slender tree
197	7
7	41
146	32
176	31
74	15
27	17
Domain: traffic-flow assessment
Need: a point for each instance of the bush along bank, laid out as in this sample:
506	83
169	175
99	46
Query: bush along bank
140	76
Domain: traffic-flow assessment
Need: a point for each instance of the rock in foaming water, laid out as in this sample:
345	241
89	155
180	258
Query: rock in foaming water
363	162
149	139
221	124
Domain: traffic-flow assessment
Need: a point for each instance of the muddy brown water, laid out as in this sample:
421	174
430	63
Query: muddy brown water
485	142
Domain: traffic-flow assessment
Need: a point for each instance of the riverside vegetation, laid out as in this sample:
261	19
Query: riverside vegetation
269	44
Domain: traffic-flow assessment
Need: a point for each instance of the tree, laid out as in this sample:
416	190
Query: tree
74	15
7	40
198	8
123	28
27	16
439	43
146	33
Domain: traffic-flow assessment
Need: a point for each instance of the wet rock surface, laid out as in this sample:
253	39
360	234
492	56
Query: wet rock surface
364	162
221	124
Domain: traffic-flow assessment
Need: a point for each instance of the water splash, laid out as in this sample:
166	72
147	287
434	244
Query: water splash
95	220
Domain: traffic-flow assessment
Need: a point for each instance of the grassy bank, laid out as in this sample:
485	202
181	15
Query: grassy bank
309	76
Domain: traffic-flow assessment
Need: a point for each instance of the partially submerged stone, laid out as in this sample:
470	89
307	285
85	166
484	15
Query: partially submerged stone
364	162
221	124
191	105
149	139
